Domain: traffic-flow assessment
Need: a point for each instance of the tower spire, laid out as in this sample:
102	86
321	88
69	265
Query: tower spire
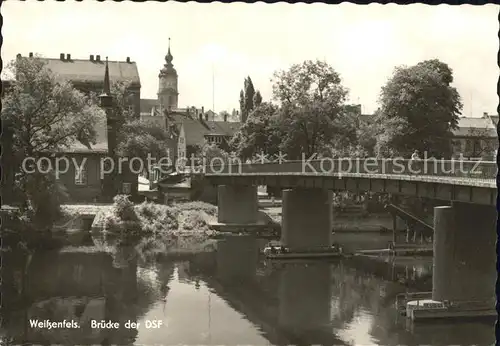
105	97
106	89
169	57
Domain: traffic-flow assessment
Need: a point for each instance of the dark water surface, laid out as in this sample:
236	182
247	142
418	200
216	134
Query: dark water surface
228	297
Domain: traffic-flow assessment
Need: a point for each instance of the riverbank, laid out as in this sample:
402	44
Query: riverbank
347	222
155	228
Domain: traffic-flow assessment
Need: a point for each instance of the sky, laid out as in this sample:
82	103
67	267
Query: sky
215	46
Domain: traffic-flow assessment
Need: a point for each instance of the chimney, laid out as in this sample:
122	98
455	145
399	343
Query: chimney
91	57
225	117
31	54
206	117
98	58
485	115
68	56
202	110
18	56
61	56
128	59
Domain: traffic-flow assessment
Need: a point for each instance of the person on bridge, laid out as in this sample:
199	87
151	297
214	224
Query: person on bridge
415	155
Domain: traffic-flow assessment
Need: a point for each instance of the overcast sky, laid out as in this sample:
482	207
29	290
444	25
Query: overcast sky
363	43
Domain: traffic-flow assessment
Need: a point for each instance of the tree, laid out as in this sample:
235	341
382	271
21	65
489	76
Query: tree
45	116
257	99
213	154
247	99
242	105
421	108
312	109
234	115
260	133
139	138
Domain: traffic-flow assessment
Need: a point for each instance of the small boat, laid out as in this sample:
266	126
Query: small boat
282	252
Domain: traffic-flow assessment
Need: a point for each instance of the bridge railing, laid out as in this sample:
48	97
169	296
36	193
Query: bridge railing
346	166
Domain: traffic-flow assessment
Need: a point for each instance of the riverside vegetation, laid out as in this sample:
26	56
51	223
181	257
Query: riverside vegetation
157	228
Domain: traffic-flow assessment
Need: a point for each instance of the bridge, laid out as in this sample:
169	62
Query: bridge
463	227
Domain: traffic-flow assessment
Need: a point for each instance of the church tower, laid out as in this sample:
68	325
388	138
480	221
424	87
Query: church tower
167	90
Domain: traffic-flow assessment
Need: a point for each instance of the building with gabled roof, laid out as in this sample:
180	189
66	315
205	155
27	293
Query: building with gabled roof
86	75
475	137
86	181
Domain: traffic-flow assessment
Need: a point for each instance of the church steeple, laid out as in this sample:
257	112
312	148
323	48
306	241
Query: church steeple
167	90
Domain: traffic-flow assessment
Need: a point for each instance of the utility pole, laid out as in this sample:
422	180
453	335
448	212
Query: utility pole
470	99
213	90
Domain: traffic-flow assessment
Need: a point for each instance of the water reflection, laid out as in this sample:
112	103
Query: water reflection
230	296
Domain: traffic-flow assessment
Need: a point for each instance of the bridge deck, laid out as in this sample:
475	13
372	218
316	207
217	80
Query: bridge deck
449	180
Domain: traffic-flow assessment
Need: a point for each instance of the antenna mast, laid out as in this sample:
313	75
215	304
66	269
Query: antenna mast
213	89
470	104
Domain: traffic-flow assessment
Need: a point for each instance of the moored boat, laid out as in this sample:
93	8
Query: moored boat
283	252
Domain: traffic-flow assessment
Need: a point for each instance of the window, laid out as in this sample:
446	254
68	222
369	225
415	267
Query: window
81	175
127	188
131	109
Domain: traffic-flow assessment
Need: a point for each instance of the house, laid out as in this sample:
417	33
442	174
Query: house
476	137
88	178
494	118
199	130
84	178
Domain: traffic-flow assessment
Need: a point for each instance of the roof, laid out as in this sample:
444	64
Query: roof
86	71
157	120
196	129
101	142
494	119
475	127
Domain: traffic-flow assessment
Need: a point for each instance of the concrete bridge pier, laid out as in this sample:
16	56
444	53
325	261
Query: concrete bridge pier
305	306
464	252
238	204
237	258
307	218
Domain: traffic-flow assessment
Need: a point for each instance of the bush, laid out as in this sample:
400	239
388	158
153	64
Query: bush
124	208
156	218
194	221
42	195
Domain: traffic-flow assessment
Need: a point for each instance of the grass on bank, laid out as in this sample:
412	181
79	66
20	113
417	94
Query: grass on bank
160	229
151	218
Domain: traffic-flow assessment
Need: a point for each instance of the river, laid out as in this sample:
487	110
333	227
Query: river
228	297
